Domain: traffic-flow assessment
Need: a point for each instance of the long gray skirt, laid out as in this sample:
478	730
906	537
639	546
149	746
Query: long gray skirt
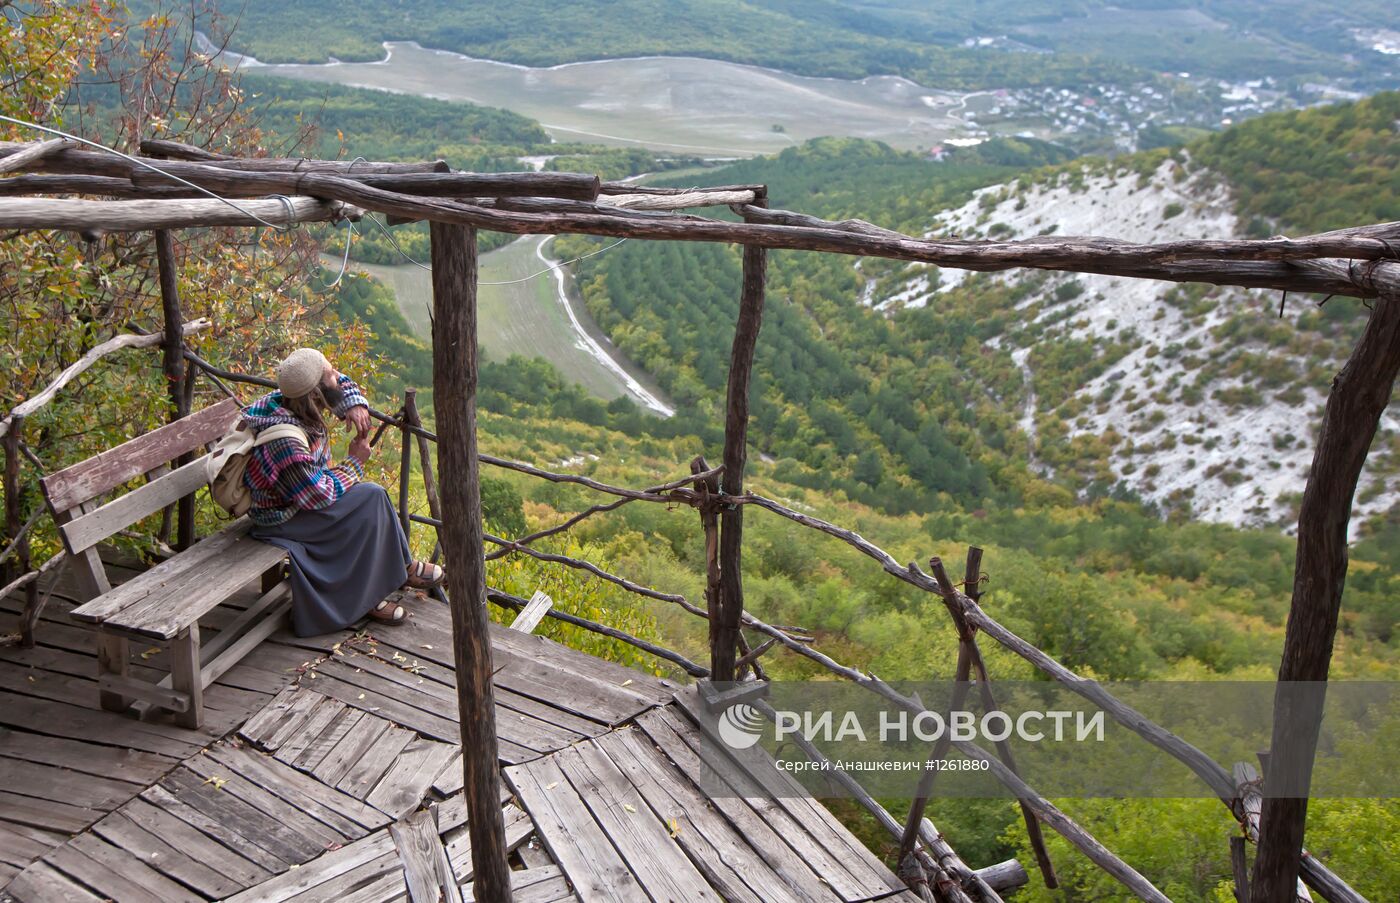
344	559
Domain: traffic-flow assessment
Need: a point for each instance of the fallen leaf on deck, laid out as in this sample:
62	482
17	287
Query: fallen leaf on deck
217	781
628	807
673	826
627	681
551	786
150	652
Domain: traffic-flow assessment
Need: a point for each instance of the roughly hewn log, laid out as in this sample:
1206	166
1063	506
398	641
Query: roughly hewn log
425	456
724	630
95	354
173	365
179	150
972	579
406	462
1359	397
454	393
142	215
159	147
626	187
225	178
707	489
1248	804
754	214
698	198
28	154
1007	875
1270	263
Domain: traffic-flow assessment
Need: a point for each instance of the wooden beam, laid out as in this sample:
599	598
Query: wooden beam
698	198
139	216
724	631
530	616
427	872
454	260
222	178
1277	263
173	365
1359	397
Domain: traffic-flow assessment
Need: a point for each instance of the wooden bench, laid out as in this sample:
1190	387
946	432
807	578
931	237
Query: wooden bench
165	603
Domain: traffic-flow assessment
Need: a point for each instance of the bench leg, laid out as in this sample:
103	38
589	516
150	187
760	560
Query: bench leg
112	659
185	677
271	577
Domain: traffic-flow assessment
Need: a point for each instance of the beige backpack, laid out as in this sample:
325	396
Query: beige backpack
229	461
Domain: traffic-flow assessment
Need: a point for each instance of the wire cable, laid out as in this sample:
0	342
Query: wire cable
286	201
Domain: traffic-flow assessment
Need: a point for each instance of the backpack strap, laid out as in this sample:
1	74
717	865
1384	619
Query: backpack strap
282	431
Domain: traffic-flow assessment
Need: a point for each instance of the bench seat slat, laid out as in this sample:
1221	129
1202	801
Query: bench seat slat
172	570
104	472
164	613
88	530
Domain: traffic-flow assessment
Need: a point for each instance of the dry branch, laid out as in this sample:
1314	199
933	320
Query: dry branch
29	153
34	403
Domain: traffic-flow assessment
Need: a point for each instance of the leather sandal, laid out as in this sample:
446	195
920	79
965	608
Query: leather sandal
425	575
389	612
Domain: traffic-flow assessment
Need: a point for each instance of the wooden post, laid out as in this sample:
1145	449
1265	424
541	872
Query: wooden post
173	365
14	520
972	588
454	391
724	632
1359	397
709	523
410	397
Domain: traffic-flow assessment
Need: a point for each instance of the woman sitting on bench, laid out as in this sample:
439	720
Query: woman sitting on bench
342	535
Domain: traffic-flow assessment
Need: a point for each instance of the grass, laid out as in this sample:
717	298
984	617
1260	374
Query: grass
523	318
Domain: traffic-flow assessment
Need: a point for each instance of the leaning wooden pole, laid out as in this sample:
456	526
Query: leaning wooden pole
173	365
724	633
1359	397
454	394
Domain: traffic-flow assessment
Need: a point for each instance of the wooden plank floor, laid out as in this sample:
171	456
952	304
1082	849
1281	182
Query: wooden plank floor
329	766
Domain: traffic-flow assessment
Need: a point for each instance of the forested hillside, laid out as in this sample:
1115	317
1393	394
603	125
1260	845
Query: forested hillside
843	397
894	383
806	39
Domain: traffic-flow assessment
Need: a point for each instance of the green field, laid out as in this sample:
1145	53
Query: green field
523	318
673	105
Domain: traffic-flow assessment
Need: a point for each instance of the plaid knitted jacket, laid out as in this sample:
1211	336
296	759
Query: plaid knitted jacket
284	477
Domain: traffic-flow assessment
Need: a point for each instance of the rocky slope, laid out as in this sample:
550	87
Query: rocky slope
1199	400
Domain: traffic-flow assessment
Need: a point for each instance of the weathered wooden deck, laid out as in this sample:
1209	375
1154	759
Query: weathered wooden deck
328	769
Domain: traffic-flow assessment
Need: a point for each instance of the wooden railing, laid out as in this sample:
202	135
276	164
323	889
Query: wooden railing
924	856
168	187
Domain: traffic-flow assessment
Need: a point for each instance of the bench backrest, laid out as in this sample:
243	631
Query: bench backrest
70	491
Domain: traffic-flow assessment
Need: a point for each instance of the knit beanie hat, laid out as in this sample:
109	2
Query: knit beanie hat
301	372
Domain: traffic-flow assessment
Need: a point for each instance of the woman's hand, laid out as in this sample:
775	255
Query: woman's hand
360	449
358	419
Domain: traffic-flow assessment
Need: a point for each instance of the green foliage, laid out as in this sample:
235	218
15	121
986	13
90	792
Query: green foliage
805	38
844	397
377	125
405	358
502	508
1326	168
